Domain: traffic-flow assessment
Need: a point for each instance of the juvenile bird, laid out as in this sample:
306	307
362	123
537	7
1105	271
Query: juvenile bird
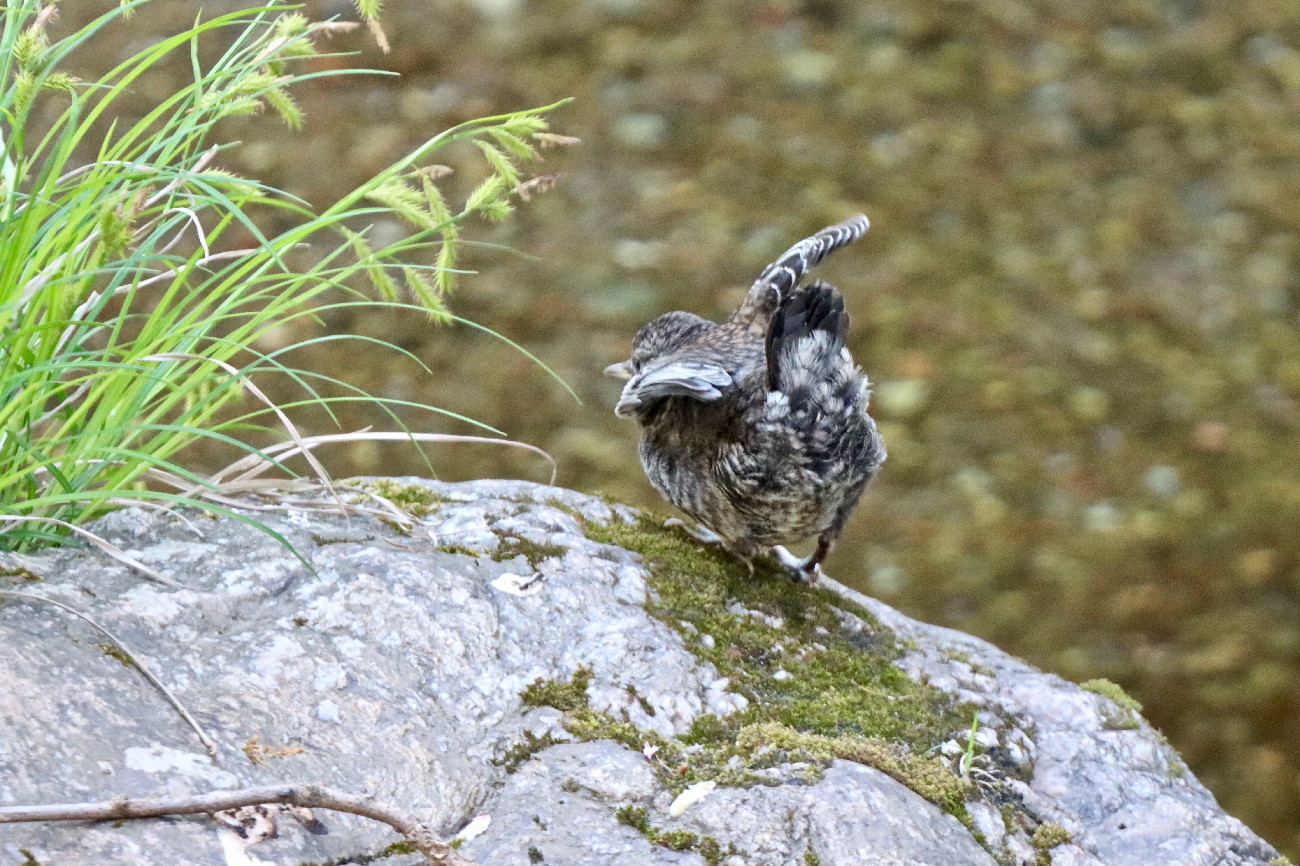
758	427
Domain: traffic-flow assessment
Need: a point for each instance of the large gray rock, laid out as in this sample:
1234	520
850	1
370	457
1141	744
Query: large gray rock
396	663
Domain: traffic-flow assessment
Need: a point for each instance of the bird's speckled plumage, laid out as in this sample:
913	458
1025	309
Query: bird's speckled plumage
758	427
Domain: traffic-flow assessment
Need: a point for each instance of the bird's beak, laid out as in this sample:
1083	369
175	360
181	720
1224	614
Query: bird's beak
621	371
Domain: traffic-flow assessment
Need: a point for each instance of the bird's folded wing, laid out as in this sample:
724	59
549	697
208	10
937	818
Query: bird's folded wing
695	379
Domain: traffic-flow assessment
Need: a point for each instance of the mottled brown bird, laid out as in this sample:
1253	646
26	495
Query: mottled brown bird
758	427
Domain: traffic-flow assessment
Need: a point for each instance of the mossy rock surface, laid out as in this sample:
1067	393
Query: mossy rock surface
817	670
631	669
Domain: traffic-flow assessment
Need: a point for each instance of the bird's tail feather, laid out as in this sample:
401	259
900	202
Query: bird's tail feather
789	268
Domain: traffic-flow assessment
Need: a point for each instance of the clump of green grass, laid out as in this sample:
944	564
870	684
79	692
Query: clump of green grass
136	280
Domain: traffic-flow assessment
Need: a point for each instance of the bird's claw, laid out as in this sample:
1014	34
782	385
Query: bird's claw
802	569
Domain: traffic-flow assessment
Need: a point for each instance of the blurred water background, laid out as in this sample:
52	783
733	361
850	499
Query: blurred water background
1079	300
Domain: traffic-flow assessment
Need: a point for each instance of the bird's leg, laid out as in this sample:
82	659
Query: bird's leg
743	551
699	532
807	570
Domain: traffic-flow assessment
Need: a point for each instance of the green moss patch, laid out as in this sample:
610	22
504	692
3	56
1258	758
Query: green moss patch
926	776
678	840
460	550
1107	689
394	850
563	695
114	651
1047	837
415	499
818	672
1126	714
522	751
511	546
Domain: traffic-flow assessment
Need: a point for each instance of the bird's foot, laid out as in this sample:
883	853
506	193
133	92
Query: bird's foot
704	535
699	532
803	570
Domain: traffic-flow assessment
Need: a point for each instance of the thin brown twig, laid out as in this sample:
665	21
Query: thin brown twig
308	796
135	660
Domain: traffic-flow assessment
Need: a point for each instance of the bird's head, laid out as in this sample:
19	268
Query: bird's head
655	370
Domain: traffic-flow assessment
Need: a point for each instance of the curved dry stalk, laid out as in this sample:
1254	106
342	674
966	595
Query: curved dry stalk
308	796
103	544
180	180
198	263
390	509
35	283
257	392
135	660
154	505
255	464
263	486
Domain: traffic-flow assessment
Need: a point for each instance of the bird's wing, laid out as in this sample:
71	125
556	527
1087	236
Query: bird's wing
696	379
777	281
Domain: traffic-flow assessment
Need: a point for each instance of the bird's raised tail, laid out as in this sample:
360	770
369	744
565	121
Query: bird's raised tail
778	279
806	339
